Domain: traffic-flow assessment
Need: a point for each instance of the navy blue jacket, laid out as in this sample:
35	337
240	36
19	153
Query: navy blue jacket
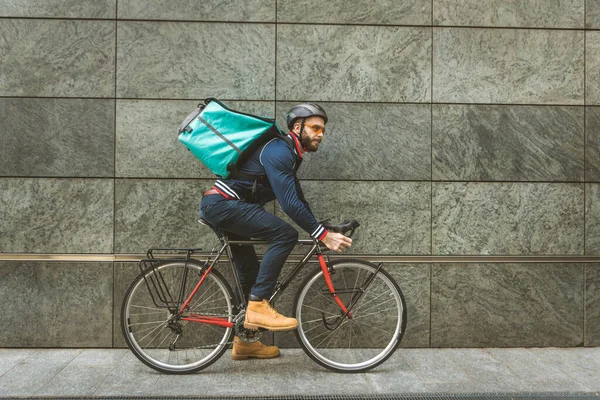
279	162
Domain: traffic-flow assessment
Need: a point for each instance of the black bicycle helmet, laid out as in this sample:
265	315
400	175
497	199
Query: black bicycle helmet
305	110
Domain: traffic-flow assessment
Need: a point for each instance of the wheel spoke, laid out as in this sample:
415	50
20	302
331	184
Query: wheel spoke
326	337
372	327
152	331
149	313
366	295
335	335
378	305
139	331
319	335
374	313
320	310
160	344
205	303
151	340
320	291
148	308
319	319
314	327
200	300
146	323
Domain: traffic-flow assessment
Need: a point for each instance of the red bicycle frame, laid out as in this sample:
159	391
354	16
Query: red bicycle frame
219	321
224	322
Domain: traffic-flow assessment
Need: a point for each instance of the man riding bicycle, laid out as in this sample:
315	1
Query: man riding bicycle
235	205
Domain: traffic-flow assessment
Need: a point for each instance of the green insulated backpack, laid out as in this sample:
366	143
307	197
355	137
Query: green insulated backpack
223	138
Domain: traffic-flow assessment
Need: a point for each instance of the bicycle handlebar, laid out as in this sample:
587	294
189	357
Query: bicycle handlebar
347	225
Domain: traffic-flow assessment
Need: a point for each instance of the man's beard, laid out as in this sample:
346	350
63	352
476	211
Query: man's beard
308	144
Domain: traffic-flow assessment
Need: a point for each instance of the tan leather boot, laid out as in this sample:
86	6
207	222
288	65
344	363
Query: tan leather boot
260	314
243	350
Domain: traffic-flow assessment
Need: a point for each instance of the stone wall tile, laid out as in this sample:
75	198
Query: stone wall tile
592	145
57	137
354	63
592	305
195	60
508	143
125	273
58	8
378	12
510	13
57	58
592	219
508	66
205	10
507	218
592	17
56	215
56	304
507	305
414	281
160	213
592	68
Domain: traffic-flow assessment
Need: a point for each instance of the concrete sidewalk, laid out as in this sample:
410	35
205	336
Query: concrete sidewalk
115	372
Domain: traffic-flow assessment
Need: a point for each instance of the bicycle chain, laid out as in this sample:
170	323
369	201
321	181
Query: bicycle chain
245	335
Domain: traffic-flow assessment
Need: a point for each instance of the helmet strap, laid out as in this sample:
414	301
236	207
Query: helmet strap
302	130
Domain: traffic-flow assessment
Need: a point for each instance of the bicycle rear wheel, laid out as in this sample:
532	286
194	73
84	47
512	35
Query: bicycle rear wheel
376	326
165	342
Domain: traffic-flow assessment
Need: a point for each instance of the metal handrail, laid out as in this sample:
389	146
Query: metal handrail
129	257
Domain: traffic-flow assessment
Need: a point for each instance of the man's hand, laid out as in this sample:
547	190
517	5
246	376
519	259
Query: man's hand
336	241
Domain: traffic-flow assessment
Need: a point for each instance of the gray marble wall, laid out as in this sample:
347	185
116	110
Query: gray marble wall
456	128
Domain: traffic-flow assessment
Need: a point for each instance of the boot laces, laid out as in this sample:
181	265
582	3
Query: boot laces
272	308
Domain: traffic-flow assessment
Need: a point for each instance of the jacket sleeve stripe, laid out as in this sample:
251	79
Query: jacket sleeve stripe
318	232
226	189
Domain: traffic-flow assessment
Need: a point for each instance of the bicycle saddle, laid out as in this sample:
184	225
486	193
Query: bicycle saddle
217	231
347	225
205	222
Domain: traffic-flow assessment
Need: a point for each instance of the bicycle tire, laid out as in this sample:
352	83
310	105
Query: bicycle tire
313	298
214	295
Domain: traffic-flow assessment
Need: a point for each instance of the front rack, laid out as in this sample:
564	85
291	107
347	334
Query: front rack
156	283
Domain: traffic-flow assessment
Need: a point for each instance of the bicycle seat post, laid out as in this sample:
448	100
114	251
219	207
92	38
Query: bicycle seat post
234	272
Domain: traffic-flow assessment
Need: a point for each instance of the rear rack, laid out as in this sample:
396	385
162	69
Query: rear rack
171	251
156	283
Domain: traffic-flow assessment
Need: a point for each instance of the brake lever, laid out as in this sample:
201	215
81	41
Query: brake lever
354	226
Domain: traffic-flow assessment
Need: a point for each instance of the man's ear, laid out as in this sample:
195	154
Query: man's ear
296	128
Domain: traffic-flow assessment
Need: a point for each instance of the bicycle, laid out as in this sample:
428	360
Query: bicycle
179	315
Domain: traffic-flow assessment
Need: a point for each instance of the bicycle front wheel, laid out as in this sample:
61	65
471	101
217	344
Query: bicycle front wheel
367	337
161	339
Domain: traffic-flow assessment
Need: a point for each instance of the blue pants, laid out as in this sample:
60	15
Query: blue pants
240	221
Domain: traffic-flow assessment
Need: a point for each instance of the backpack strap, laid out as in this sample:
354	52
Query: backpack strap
263	179
299	159
292	145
